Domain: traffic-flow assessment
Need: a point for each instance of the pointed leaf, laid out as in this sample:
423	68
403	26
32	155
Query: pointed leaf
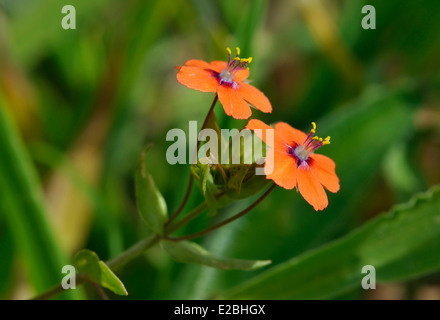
22	210
203	175
150	202
95	270
237	174
190	252
402	244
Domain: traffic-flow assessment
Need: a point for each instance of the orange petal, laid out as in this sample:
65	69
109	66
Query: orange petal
324	170
310	188
218	65
281	168
197	78
241	75
262	129
254	97
198	63
232	103
289	134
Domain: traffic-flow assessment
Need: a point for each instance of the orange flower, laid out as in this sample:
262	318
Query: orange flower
292	162
227	79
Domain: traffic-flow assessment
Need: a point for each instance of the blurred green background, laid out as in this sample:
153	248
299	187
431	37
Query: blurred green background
78	106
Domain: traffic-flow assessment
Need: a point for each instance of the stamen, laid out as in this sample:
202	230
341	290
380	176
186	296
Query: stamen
234	64
248	60
303	151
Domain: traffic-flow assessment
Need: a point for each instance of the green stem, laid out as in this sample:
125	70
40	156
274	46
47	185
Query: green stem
131	253
100	291
56	290
191	178
184	201
189	217
221	224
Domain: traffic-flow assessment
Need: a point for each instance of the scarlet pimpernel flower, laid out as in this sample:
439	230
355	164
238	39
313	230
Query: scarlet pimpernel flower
228	80
292	161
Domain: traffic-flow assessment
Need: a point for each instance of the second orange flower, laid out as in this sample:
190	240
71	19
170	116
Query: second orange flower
292	162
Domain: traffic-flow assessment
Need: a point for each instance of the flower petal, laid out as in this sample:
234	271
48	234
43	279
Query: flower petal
310	188
241	75
254	97
281	168
324	170
261	130
289	134
197	78
218	65
198	63
233	103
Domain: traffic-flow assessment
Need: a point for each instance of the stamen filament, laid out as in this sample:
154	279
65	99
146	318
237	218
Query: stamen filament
310	144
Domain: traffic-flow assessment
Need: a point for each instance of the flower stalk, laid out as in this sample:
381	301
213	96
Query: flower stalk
191	177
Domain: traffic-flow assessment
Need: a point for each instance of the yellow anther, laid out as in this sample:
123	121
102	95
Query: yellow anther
237	58
248	60
314	128
326	141
229	51
315	138
320	139
238	51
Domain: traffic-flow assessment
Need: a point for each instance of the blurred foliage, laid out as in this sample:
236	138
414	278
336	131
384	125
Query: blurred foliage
79	106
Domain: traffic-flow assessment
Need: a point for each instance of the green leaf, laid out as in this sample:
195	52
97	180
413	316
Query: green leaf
399	173
243	182
22	207
6	262
237	173
95	270
150	202
401	245
203	174
190	252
